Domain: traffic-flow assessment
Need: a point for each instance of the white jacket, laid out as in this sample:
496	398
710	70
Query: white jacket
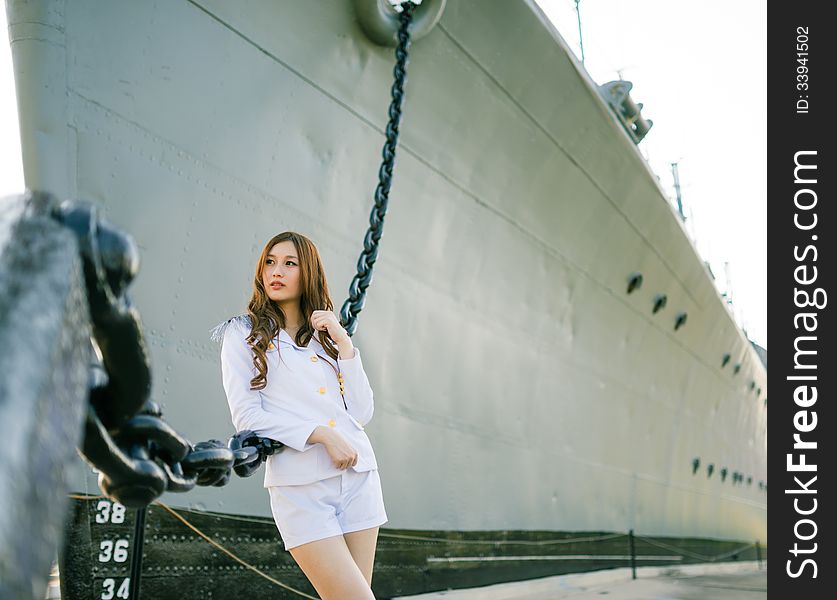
302	392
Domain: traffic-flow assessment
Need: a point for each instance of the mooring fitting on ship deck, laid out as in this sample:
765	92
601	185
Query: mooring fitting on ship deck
379	18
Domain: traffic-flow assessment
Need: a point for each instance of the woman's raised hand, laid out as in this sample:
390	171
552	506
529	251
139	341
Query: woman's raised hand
325	320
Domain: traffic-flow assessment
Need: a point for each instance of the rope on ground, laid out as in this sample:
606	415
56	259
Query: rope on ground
233	556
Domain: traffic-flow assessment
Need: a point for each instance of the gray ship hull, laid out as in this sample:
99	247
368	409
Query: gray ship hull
518	385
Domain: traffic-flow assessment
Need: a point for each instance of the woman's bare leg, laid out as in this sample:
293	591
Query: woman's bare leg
362	547
332	570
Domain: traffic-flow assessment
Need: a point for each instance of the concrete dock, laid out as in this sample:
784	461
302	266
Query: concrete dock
724	581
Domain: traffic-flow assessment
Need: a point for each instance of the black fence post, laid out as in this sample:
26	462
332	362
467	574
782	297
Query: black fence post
136	553
633	554
758	554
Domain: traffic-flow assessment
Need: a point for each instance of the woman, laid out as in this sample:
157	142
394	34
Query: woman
292	374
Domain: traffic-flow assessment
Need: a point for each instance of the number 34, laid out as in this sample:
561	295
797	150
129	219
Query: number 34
109	587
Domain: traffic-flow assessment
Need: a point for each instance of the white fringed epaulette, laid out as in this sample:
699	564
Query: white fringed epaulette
216	334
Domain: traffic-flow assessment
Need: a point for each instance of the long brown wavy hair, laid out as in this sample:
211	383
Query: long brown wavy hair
267	317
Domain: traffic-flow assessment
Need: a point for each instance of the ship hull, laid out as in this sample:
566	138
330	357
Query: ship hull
519	386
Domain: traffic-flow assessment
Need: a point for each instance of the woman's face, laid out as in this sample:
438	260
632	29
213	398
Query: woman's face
281	273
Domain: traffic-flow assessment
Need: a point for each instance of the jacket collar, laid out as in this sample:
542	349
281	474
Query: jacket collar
314	342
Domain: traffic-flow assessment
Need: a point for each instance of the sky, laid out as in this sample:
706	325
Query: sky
700	71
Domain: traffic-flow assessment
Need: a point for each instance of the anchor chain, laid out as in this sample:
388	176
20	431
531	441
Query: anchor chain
138	455
357	289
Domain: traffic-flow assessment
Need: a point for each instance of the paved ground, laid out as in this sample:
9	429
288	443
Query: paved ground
732	586
718	581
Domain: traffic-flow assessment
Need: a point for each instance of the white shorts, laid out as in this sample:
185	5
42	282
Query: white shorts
341	504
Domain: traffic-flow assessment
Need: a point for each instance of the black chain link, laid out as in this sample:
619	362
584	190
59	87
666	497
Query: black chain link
357	289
